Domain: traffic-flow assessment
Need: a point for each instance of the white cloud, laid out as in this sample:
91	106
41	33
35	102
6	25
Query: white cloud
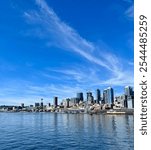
59	34
32	93
130	12
67	38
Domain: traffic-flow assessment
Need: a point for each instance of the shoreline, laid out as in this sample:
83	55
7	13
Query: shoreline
102	112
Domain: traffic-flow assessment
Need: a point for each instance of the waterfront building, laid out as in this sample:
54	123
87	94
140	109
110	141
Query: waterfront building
129	91
55	101
37	104
108	96
130	96
130	103
66	103
90	98
42	103
22	105
80	96
120	101
104	100
67	100
98	96
74	101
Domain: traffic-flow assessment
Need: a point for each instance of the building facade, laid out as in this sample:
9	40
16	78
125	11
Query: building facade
108	96
80	96
55	101
98	96
129	93
90	98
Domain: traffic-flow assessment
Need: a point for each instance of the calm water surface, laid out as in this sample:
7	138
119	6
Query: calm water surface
50	131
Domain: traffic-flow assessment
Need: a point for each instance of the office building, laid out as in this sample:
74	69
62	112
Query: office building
55	101
104	100
108	96
42	103
129	93
121	101
90	98
37	104
74	100
22	105
98	96
67	103
80	96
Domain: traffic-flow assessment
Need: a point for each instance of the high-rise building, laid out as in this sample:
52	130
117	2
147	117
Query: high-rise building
80	96
67	102
55	101
104	96
121	101
42	103
90	98
108	96
37	104
129	93
98	96
22	105
74	100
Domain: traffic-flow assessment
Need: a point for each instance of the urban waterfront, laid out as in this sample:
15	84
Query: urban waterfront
56	131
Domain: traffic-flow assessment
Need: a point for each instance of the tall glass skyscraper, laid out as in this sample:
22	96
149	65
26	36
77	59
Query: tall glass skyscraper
90	98
80	96
129	91
55	101
108	96
98	95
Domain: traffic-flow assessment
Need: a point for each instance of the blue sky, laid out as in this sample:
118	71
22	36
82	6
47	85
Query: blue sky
58	48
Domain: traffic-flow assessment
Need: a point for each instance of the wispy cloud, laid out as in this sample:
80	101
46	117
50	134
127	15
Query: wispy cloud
65	37
86	79
93	77
24	91
130	12
57	33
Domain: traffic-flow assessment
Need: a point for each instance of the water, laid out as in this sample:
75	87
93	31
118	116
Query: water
50	131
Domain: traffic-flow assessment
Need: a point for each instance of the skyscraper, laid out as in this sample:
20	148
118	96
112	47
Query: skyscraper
129	91
22	105
104	96
90	98
55	101
42	102
98	95
108	96
80	96
37	104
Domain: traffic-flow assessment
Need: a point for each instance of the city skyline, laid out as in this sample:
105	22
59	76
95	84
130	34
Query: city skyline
102	96
60	48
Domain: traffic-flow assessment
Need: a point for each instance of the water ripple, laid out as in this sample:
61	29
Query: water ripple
48	131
